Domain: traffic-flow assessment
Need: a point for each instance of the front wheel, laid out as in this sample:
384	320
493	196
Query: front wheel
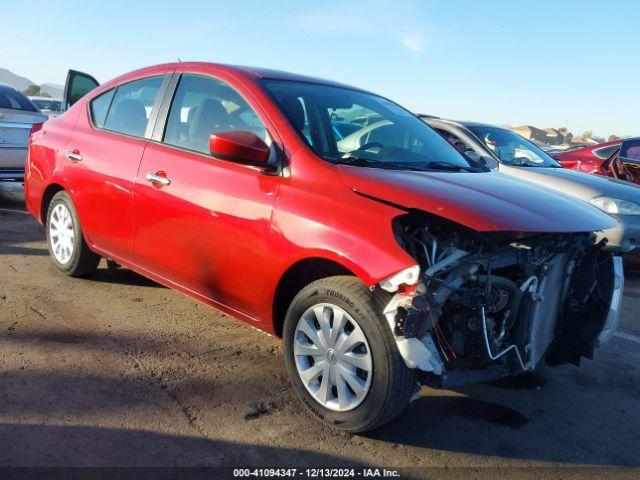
67	246
341	356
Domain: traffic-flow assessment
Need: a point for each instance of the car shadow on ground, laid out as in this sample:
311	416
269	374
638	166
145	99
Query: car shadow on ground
68	446
562	415
13	235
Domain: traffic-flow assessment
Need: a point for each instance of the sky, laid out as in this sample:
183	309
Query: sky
546	63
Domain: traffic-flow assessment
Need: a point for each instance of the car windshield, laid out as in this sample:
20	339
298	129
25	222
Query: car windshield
513	149
51	105
14	100
358	128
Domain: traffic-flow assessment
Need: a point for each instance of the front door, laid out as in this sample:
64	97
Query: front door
203	222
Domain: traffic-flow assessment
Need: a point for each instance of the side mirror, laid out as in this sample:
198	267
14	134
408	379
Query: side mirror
488	161
239	146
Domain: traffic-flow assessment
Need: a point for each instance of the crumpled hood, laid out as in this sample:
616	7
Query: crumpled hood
579	184
489	201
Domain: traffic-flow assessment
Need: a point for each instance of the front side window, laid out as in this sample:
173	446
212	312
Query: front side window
349	126
513	149
131	106
204	105
14	100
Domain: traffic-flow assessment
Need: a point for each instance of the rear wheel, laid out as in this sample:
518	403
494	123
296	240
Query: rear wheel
341	355
67	246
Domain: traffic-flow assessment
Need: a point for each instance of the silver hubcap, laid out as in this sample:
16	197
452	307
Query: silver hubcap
332	357
61	233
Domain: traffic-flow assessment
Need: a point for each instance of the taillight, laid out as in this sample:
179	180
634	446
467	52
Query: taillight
35	127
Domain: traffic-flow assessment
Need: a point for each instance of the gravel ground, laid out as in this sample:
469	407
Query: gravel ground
117	370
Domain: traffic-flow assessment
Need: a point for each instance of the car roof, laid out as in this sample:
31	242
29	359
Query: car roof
4	85
37	97
252	73
458	123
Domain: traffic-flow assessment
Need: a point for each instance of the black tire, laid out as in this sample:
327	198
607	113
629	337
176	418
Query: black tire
83	260
392	384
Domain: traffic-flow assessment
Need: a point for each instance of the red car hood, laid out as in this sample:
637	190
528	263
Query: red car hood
488	201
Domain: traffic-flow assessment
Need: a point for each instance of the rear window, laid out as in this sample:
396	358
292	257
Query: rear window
14	100
51	105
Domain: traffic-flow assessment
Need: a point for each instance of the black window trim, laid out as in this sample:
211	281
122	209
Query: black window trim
154	109
157	137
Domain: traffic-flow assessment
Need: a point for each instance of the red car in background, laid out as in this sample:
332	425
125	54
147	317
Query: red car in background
617	159
588	159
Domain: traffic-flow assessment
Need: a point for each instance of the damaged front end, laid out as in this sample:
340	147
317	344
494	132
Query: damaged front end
480	306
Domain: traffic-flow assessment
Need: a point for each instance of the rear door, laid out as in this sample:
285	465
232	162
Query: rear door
78	84
102	159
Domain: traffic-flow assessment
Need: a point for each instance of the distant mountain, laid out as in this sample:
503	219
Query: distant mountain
52	89
21	83
14	80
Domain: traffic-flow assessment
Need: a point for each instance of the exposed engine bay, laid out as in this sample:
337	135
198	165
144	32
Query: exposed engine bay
488	305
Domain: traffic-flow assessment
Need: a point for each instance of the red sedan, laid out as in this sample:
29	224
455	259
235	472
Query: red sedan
617	159
384	259
588	159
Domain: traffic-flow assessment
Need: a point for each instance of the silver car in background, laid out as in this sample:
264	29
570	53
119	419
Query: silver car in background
47	105
18	118
514	155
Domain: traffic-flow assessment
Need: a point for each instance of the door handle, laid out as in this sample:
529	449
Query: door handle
74	156
159	179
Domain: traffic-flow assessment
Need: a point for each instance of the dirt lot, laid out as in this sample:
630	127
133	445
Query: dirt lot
117	370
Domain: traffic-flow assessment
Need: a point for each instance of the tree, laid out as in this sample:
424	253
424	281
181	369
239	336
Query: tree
613	138
32	91
587	134
563	130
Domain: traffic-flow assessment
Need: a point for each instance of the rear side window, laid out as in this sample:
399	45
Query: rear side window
605	152
99	107
131	106
14	100
204	105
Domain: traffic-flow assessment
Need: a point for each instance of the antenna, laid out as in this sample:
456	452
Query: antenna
179	61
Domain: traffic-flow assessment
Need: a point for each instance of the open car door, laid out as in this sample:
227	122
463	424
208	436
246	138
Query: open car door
616	167
630	158
77	85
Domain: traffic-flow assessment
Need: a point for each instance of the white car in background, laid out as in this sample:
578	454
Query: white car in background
47	105
18	118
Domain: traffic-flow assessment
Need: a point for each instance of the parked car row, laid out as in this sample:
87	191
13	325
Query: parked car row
514	155
383	256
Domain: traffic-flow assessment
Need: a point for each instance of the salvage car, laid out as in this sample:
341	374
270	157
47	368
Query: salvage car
514	155
383	267
18	119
